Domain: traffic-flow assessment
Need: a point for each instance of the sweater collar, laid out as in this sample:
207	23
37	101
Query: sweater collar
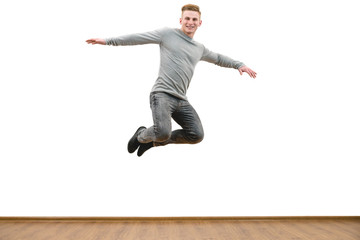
183	34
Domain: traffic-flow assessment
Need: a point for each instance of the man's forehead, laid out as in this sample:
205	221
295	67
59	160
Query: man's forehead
191	14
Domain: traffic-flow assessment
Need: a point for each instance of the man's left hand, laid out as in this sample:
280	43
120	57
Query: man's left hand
246	69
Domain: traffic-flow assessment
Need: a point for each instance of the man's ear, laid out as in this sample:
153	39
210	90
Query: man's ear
200	23
180	21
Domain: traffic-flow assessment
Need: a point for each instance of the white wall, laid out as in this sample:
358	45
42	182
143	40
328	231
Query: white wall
286	143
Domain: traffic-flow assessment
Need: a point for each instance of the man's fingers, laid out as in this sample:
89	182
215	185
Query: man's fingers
94	41
251	73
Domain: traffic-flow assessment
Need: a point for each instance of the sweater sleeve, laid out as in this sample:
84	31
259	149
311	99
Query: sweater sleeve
153	37
220	60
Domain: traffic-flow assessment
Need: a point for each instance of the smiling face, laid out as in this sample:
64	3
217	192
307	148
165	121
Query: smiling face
190	21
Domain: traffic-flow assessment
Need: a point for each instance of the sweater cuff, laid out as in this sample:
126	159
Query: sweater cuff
239	65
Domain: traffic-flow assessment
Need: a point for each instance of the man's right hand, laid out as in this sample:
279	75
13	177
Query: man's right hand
96	41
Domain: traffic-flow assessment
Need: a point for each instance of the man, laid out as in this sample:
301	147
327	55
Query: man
179	54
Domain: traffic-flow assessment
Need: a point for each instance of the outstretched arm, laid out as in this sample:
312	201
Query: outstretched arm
131	39
96	41
225	61
246	69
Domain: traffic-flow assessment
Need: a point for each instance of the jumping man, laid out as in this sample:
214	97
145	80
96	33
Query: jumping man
179	54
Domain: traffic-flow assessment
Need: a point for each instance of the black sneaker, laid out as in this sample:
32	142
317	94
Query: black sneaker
133	143
144	147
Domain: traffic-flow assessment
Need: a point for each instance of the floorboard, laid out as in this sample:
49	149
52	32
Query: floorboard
197	228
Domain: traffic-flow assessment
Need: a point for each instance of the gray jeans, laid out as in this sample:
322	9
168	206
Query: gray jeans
164	107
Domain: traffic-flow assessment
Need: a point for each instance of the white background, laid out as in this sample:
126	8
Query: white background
286	143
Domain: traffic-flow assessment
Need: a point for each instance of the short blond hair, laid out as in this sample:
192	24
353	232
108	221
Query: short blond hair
191	7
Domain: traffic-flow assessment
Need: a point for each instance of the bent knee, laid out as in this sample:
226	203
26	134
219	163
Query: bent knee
196	137
163	135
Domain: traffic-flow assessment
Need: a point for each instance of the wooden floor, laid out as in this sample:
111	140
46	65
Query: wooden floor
267	228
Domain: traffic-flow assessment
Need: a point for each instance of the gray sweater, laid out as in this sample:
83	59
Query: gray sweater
179	55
